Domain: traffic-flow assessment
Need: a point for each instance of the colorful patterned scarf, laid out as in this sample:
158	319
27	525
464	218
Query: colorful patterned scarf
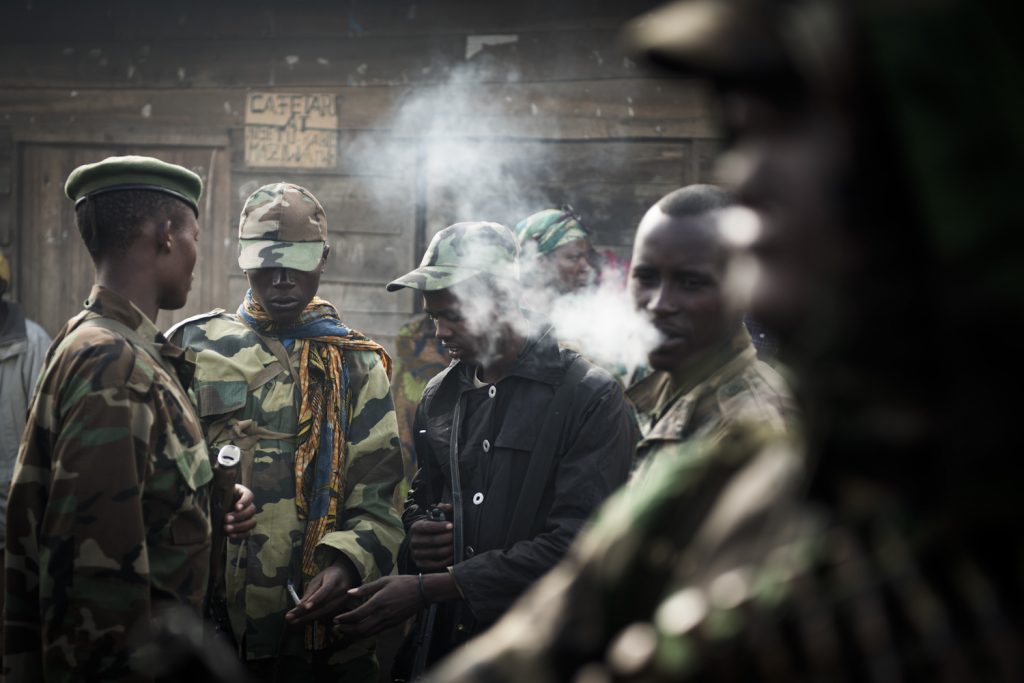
325	414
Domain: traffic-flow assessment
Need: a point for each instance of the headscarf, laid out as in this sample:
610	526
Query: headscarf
550	229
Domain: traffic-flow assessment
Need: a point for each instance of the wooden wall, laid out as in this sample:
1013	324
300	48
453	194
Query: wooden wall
560	113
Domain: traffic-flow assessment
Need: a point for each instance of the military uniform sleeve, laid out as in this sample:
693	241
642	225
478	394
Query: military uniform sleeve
370	531
82	468
597	462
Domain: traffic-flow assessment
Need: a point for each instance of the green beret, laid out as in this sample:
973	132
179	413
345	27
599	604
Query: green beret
134	173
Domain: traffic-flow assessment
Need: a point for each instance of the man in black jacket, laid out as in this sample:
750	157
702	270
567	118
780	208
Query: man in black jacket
533	462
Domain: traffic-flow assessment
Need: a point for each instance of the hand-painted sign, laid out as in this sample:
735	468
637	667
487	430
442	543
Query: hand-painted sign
291	130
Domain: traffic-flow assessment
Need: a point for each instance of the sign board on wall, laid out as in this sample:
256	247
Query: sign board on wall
293	130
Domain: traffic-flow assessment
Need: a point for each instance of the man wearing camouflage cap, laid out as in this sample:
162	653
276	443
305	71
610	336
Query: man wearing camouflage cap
307	400
537	435
108	524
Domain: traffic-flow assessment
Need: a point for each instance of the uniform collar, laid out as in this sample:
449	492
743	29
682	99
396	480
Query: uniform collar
107	303
665	402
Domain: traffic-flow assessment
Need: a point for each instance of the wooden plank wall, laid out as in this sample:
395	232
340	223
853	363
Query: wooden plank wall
560	113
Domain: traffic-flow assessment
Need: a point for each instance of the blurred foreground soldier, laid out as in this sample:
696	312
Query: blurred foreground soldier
23	345
108	521
307	401
884	183
556	256
517	442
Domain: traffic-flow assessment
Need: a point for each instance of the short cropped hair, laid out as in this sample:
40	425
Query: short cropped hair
110	222
695	200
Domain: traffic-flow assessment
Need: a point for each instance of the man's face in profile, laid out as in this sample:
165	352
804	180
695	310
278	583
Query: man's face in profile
786	164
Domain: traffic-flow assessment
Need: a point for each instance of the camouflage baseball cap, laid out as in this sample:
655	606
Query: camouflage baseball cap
462	251
282	226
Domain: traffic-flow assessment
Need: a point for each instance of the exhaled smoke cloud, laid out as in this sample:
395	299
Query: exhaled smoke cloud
471	149
603	324
478	163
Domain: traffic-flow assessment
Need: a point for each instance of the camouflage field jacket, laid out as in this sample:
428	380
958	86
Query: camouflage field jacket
108	516
728	387
245	397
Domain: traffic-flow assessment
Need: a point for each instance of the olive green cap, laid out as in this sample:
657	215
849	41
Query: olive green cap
282	226
462	251
134	173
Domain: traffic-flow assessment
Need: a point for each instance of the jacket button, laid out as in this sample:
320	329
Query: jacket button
460	627
478	498
492	391
487	446
470	551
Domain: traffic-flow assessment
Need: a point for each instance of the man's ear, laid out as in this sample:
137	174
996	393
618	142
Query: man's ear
323	259
163	234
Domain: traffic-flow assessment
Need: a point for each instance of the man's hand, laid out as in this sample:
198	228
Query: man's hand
431	543
326	593
392	600
240	520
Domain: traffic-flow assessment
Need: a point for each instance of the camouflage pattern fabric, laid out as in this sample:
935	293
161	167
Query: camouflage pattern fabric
419	357
550	229
246	397
727	385
282	226
462	251
109	505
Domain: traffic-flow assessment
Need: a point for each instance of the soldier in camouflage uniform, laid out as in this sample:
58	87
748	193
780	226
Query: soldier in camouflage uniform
885	214
308	402
108	520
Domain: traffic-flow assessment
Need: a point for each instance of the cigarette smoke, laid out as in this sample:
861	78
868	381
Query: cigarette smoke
605	326
472	149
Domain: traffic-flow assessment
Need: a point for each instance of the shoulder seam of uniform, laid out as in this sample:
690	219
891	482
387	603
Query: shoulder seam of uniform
90	348
191	319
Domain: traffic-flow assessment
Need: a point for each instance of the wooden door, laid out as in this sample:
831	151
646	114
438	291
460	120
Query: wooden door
54	270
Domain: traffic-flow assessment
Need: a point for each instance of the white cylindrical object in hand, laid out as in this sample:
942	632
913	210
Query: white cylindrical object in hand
229	455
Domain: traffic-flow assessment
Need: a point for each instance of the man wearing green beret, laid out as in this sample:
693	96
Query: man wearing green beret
518	440
308	401
108	522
